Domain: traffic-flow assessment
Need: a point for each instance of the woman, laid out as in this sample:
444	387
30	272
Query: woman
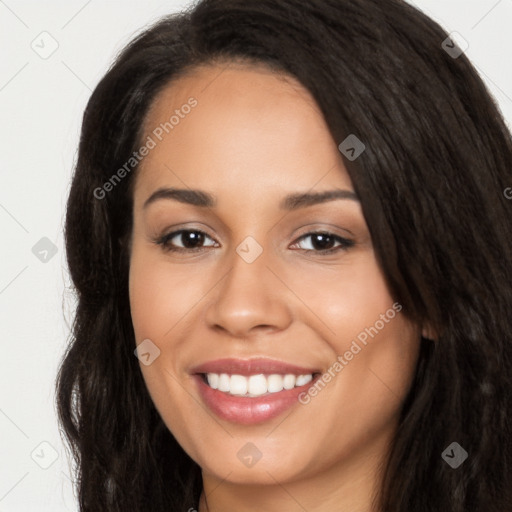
293	214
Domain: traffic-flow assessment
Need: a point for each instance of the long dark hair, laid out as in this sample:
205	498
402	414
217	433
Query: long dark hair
431	181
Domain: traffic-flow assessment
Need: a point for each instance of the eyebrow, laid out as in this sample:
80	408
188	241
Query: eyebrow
206	200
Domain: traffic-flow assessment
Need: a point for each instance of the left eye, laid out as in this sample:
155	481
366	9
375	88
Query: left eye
321	241
192	237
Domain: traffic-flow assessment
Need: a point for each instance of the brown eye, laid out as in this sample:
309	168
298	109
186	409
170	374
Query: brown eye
322	242
190	239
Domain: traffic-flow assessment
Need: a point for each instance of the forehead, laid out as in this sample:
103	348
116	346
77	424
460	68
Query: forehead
250	128
238	84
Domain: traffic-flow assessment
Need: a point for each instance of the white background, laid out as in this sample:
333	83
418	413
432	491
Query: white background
41	105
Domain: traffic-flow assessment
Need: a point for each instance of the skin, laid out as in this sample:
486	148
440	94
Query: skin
253	138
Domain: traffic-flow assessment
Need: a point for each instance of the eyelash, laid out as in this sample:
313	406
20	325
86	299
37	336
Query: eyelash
164	241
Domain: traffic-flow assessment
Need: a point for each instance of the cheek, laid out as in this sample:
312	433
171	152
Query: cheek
362	323
159	301
346	298
160	294
369	319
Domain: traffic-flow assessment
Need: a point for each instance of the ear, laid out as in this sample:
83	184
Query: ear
429	333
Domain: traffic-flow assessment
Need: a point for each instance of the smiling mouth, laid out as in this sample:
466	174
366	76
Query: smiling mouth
256	385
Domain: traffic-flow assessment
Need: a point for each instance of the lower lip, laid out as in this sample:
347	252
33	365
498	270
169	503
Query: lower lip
249	410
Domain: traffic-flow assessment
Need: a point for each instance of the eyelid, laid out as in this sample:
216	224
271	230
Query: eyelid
345	243
165	238
325	228
164	241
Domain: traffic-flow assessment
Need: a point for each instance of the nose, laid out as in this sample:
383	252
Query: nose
250	298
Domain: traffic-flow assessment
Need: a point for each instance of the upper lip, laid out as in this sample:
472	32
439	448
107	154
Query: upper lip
251	367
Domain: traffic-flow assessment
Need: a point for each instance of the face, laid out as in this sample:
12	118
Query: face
276	300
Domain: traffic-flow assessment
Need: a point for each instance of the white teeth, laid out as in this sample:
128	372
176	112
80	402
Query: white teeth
289	381
213	380
275	383
303	379
255	385
223	382
238	385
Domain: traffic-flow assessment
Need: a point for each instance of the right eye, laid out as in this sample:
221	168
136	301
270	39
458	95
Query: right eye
188	237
